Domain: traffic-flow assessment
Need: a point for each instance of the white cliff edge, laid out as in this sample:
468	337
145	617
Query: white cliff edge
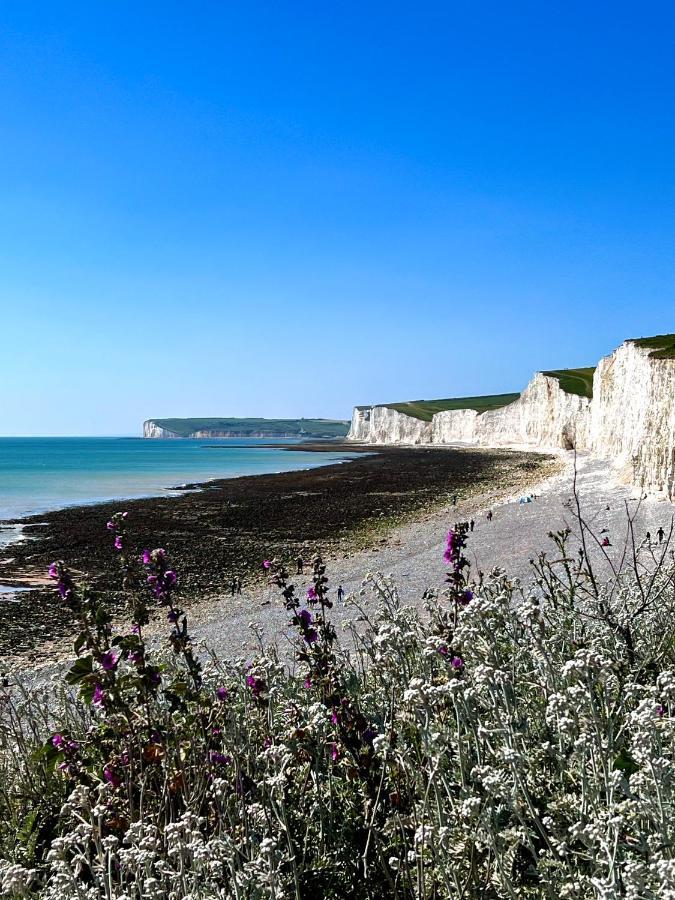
630	421
152	430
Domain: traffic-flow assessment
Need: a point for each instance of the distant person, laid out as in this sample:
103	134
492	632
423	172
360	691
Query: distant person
489	515
300	564
649	537
471	525
340	593
239	584
454	499
233	586
660	534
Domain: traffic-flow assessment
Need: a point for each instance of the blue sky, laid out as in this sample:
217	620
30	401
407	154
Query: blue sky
286	209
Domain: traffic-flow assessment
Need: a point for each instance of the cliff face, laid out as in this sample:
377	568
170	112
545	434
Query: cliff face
544	416
630	421
633	417
152	430
381	425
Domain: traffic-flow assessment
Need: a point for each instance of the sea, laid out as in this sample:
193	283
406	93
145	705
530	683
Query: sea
38	474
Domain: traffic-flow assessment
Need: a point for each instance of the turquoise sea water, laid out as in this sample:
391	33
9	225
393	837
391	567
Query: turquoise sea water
41	474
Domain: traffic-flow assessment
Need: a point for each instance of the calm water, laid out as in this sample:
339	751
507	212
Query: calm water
40	474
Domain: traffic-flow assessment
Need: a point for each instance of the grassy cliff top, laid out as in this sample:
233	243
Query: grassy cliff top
575	381
661	345
425	409
309	427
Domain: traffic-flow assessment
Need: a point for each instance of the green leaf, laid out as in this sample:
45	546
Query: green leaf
80	669
625	762
80	641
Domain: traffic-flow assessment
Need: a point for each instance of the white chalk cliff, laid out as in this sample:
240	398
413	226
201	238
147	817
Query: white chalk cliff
630	421
153	430
633	417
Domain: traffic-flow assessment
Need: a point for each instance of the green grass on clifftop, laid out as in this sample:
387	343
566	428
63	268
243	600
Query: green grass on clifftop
661	345
315	428
426	409
575	381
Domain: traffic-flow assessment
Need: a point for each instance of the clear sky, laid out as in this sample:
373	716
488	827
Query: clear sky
288	208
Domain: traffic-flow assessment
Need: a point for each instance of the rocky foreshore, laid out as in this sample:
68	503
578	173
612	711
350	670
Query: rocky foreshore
228	527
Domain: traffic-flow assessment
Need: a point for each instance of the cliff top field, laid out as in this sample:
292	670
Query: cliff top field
281	427
662	345
426	409
574	381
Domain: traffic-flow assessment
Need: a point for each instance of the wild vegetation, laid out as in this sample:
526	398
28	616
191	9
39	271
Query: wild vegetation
506	742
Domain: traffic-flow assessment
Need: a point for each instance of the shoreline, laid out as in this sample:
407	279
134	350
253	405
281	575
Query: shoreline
17	522
227	527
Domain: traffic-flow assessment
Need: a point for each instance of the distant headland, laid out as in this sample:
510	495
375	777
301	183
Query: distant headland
245	428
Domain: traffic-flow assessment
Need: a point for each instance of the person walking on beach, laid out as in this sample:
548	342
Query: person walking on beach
340	594
489	515
300	564
471	525
649	537
233	585
660	534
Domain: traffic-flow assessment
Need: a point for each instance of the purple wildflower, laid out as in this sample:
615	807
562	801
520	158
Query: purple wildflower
457	663
222	694
306	616
255	684
311	635
110	526
311	593
660	710
109	660
111	776
54	570
334	755
147	557
307	683
118	542
172	615
219	758
443	650
267	564
58	741
98	697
